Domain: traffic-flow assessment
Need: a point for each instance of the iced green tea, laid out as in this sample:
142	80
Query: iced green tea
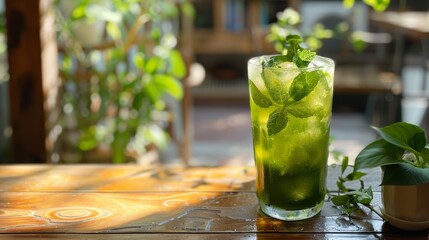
291	114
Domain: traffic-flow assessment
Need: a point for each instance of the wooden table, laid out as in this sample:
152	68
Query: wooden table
160	202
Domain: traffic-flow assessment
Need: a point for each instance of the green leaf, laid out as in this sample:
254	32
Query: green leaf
404	174
301	110
404	135
152	90
277	121
188	9
344	164
425	154
304	83
305	57
138	100
119	144
258	97
341	186
355	176
294	39
274	85
378	153
139	61
348	3
79	10
340	200
365	197
177	66
276	60
88	139
152	65
114	31
378	5
169	85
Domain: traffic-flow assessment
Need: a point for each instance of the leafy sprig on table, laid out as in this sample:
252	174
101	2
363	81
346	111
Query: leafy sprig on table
403	154
287	102
350	199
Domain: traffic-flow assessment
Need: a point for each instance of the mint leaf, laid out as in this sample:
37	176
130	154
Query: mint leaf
297	54
258	97
276	60
274	85
303	57
340	200
301	110
306	55
304	83
294	39
277	121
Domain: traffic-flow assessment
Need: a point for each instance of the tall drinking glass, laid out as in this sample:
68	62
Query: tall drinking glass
291	112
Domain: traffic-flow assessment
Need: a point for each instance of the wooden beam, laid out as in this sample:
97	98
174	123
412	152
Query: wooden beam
33	83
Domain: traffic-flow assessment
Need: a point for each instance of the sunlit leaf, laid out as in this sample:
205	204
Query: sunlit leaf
114	31
187	9
139	61
348	3
169	85
177	65
88	139
119	144
378	5
152	65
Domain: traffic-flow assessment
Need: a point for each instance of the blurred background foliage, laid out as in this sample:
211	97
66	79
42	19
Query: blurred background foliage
118	61
288	23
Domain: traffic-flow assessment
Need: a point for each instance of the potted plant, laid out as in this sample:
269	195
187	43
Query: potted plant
114	91
403	156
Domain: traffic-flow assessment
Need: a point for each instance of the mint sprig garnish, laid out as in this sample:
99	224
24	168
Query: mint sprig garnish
303	84
296	53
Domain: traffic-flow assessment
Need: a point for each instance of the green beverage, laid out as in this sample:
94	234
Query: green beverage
291	113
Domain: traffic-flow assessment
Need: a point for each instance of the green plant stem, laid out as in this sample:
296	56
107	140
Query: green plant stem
370	207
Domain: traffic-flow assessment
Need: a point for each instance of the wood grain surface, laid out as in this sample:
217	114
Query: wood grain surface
159	202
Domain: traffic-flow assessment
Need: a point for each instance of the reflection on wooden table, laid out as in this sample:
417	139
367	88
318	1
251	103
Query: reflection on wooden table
158	202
